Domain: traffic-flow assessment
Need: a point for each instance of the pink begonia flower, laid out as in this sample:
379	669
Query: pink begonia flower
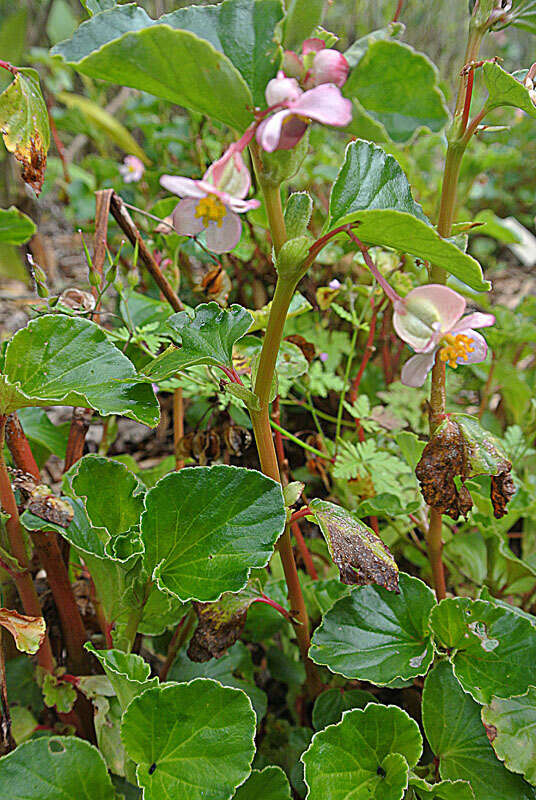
430	319
284	129
132	169
317	64
334	284
213	204
323	357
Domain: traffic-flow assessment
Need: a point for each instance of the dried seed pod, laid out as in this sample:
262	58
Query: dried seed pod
237	439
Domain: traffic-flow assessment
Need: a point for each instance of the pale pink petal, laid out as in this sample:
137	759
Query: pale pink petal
476	320
184	220
419	333
324	104
282	90
241	206
313	45
224	237
415	370
329	66
269	131
229	174
435	302
479	345
184	187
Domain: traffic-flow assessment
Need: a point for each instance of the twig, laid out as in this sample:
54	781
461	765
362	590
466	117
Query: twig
177	640
7	742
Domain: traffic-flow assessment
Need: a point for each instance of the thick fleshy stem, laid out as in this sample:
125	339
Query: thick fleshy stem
261	419
180	634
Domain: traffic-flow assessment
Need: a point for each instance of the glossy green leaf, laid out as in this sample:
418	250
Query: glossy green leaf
377	635
58	360
44	437
458	738
112	497
493	650
301	19
126	46
359	554
15	227
55	767
191	740
357	50
391	218
271	783
402	106
24	125
369	179
366	755
506	89
442	790
511	726
128	673
206	338
330	705
205	528
94	6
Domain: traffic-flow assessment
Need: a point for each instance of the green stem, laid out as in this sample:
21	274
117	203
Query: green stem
295	439
346	382
128	635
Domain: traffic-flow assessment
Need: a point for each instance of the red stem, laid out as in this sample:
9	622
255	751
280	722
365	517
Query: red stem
9	67
270	602
303	512
398	10
304	551
468	98
367	353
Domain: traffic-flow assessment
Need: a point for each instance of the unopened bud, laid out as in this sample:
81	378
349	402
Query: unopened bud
94	277
329	66
40	278
292	65
282	90
111	274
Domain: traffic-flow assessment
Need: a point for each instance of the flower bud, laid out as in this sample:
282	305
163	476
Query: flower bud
292	65
329	66
282	90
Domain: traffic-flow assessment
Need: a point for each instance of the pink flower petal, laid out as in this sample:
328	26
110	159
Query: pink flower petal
224	237
449	304
415	370
241	206
475	320
417	332
184	187
184	220
229	174
479	345
313	45
324	104
282	90
329	66
281	131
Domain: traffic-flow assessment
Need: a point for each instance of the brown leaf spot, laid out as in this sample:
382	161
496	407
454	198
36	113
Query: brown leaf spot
34	160
443	458
308	349
491	732
502	491
217	630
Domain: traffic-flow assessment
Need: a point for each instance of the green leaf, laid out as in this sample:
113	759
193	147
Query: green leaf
456	735
58	360
506	90
357	50
523	15
54	767
43	435
330	705
370	179
376	635
205	528
443	790
511	726
94	6
301	19
494	650
24	125
207	338
191	740
128	673
125	46
270	783
15	227
402	228
366	755
359	554
104	121
402	106
113	500
57	693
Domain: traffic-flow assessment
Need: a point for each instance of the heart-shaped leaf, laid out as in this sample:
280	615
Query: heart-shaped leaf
206	338
358	552
511	727
330	705
506	89
205	528
369	179
126	46
54	767
376	635
402	106
61	360
493	650
366	755
191	740
24	125
128	673
28	632
458	738
15	227
271	783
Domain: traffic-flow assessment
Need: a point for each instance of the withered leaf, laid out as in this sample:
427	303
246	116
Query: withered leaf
219	625
308	349
37	498
461	448
24	125
28	632
360	555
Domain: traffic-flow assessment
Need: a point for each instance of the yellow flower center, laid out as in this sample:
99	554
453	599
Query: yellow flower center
455	347
211	209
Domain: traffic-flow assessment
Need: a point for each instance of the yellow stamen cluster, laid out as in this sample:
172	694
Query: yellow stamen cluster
211	209
455	347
